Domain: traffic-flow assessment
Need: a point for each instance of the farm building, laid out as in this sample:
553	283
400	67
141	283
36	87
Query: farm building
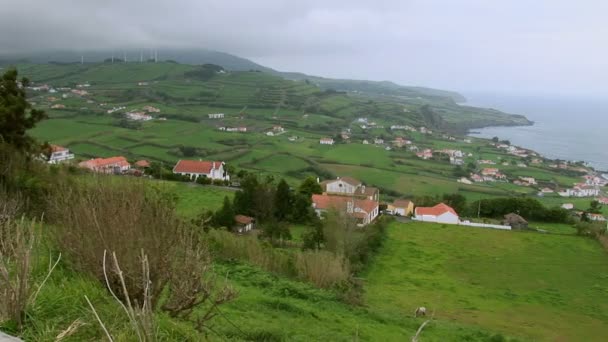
216	116
350	187
201	168
114	165
326	141
364	211
243	223
59	154
401	207
142	164
441	213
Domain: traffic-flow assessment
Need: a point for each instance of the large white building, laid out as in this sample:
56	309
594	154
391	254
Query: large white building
581	191
201	168
59	154
441	213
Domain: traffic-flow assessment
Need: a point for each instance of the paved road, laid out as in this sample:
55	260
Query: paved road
6	338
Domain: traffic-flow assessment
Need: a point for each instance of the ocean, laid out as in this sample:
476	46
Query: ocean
567	128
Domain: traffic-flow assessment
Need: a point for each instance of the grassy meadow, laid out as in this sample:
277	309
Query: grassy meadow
529	285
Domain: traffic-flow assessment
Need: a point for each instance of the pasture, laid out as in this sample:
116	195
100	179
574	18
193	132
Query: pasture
534	286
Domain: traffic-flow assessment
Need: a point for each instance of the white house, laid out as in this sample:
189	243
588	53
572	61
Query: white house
581	191
326	141
138	116
216	116
568	206
348	186
201	168
59	154
441	213
243	224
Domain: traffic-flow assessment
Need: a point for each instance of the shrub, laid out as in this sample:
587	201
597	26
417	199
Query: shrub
134	223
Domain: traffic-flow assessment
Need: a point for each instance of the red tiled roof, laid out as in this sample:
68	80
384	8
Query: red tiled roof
57	148
242	219
105	162
402	203
195	166
437	210
142	163
367	205
325	202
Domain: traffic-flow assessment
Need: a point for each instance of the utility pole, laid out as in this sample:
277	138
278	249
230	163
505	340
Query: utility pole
81	60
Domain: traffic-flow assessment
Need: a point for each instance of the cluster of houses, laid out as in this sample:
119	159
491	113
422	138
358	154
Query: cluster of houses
350	195
514	150
275	130
239	129
138	116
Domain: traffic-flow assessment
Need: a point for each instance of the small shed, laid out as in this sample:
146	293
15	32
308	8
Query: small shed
142	164
515	221
243	223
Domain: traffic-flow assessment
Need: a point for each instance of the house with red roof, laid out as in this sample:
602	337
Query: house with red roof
201	168
243	224
364	211
112	165
59	154
441	213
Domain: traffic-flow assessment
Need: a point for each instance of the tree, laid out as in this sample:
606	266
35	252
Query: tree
456	201
314	238
225	216
275	230
244	199
495	139
302	208
16	114
459	172
283	201
310	186
595	207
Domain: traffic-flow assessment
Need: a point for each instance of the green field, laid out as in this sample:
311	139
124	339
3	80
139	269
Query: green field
534	286
259	101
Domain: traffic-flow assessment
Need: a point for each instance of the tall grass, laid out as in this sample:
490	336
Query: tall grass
321	268
100	215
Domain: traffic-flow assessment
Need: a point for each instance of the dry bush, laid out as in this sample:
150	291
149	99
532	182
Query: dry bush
16	249
18	243
124	218
324	269
127	235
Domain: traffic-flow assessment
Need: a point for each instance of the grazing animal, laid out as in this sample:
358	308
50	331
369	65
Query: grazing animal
421	311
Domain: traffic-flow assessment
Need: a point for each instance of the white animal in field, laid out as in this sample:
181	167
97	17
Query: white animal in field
421	311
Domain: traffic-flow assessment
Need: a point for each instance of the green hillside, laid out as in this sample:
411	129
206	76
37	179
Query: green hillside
186	94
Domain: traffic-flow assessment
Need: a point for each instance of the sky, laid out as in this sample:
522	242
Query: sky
507	46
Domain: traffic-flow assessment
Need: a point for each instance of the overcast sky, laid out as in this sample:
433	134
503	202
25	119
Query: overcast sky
520	46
